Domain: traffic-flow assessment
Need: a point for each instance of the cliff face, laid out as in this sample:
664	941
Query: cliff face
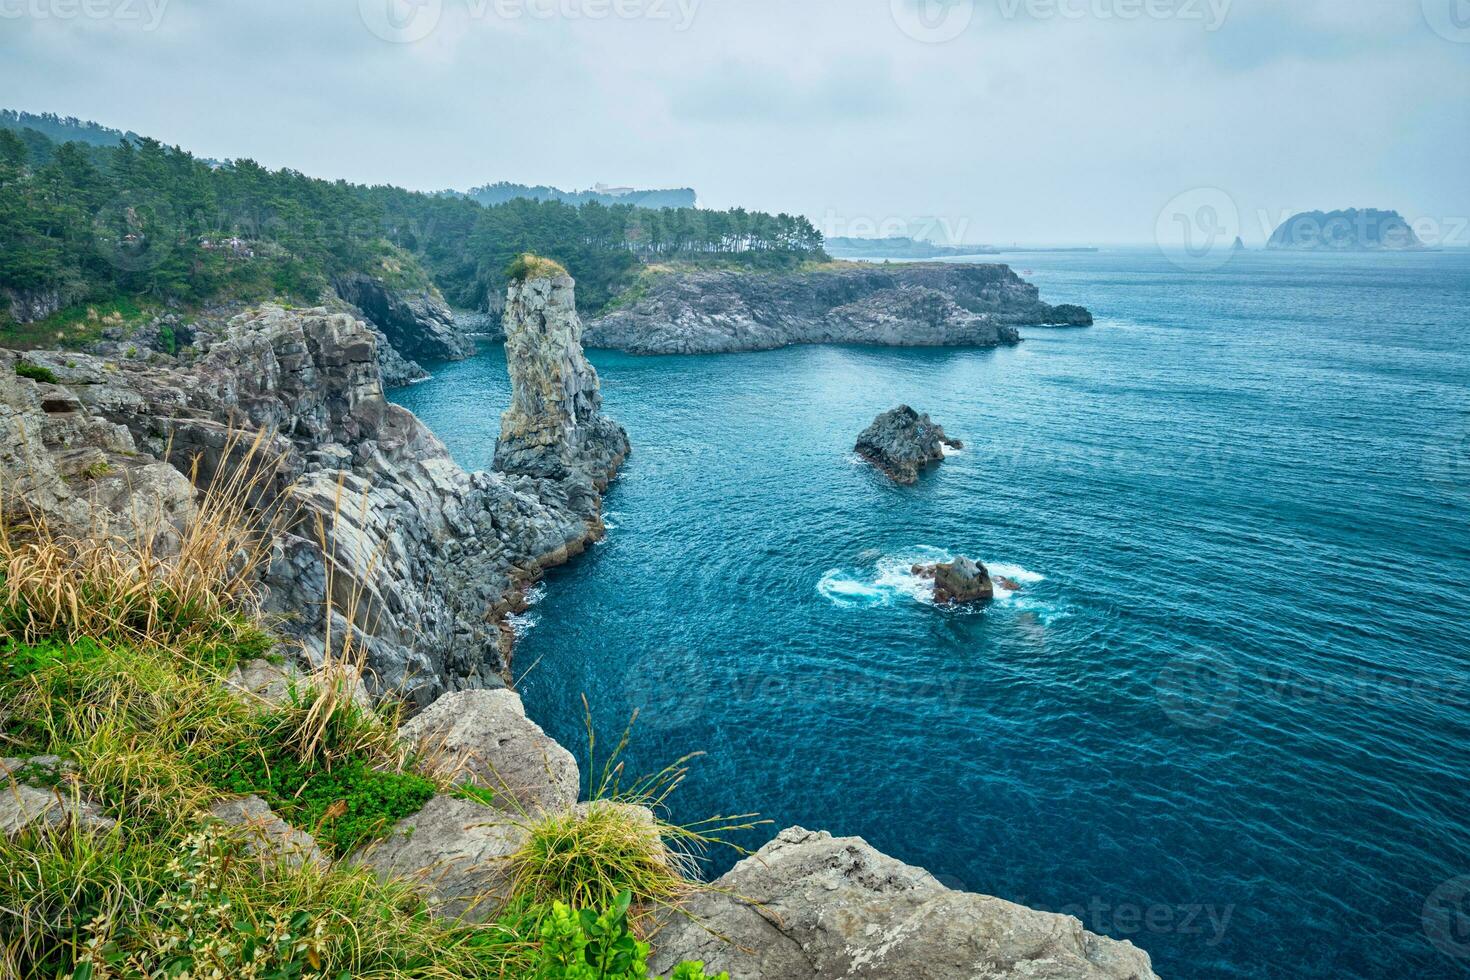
910	304
437	555
554	428
412	326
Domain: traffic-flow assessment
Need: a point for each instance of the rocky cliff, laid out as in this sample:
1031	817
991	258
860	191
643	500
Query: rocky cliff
412	325
910	304
436	555
810	906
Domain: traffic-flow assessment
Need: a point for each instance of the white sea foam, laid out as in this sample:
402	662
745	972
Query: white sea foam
950	450
890	580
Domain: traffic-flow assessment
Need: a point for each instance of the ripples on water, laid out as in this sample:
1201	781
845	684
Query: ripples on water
1232	691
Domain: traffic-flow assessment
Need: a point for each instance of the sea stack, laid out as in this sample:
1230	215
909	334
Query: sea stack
554	427
901	441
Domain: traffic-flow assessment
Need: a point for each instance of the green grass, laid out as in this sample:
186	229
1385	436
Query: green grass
76	326
528	266
343	806
116	661
35	372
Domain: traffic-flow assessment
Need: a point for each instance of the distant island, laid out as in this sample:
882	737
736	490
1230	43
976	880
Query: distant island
904	247
1353	230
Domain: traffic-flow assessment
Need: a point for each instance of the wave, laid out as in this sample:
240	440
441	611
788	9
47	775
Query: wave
889	580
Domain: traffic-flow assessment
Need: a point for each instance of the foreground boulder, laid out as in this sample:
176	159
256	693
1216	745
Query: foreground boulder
901	441
456	852
484	737
809	906
41	792
266	835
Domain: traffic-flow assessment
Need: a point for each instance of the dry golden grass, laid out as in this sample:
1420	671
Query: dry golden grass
69	586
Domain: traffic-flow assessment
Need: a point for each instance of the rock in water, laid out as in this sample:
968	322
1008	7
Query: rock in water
901	440
810	906
962	580
554	427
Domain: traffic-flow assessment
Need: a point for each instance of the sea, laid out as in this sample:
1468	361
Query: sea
1225	711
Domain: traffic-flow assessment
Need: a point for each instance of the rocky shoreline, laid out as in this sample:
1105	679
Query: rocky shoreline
439	555
920	304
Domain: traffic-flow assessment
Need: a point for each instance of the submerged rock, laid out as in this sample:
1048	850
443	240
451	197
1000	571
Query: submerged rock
927	304
901	441
485	737
810	906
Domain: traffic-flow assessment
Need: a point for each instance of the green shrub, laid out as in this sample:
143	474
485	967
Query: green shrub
35	372
343	805
583	945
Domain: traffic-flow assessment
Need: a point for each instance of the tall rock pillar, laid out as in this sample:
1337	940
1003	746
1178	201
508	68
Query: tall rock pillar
554	428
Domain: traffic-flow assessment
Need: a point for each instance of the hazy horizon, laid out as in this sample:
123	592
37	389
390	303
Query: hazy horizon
998	121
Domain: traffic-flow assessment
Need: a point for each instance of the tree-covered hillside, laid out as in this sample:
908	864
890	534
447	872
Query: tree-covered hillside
85	224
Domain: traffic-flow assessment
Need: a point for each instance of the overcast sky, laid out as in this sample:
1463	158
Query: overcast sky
1003	120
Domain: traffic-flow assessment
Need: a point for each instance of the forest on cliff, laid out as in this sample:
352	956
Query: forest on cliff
106	217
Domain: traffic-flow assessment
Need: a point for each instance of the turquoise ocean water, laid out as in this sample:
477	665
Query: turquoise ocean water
1227	715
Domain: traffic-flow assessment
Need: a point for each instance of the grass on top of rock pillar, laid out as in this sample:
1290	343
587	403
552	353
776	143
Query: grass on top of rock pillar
528	265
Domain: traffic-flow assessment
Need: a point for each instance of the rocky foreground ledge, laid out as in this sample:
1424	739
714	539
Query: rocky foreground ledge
920	304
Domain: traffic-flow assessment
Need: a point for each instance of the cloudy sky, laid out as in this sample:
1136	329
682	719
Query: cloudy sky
986	120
